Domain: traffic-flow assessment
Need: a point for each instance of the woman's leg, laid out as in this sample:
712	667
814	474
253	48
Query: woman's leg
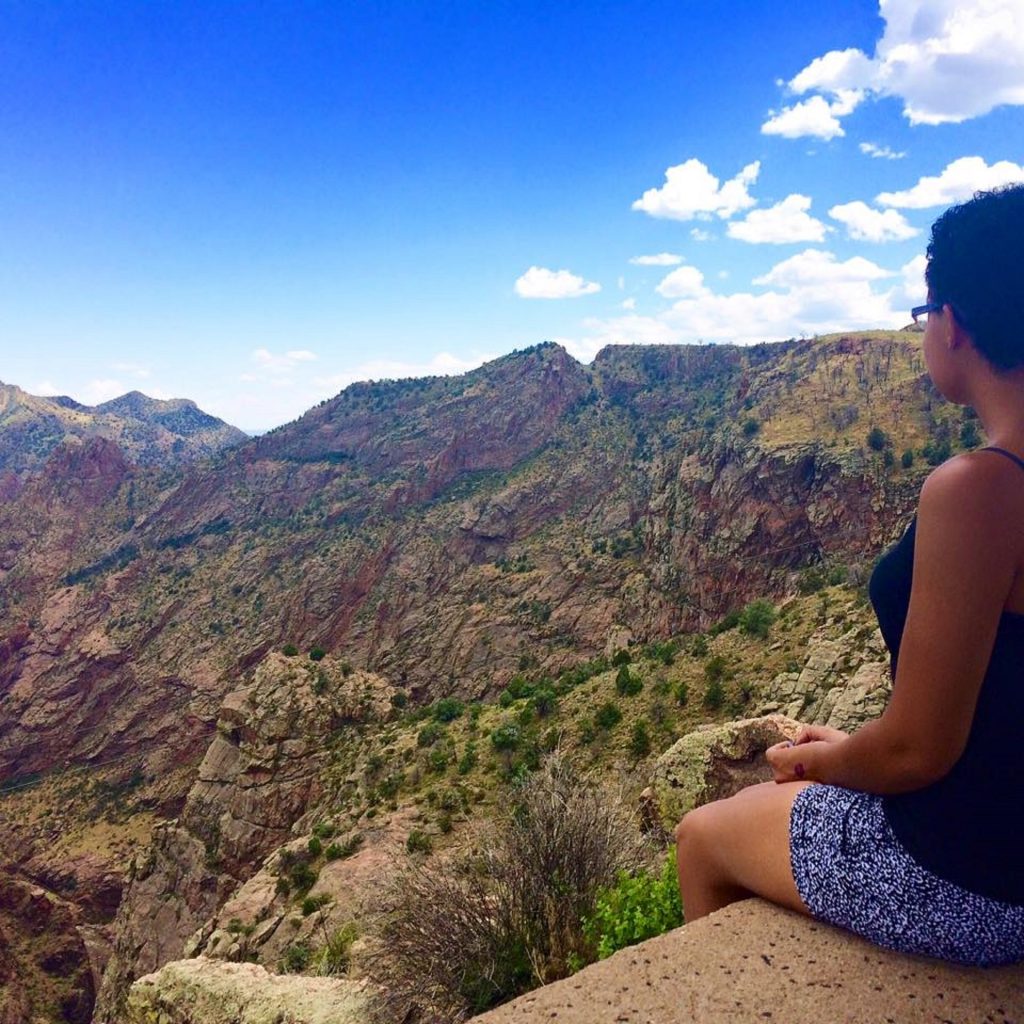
739	847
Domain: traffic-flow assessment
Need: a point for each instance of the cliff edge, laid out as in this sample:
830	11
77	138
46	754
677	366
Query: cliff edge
755	962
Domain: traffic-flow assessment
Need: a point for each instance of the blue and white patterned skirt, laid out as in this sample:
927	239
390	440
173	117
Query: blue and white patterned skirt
852	871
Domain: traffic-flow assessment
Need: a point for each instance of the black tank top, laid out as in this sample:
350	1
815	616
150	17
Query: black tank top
965	827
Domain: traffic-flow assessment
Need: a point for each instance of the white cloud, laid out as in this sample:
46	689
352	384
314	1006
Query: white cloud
620	281
912	290
629	304
700	235
787	221
815	117
960	180
684	282
814	267
101	390
541	283
864	224
691	190
46	389
662	259
810	293
880	152
281	362
947	60
134	369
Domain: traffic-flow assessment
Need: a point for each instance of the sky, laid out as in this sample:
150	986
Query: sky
254	204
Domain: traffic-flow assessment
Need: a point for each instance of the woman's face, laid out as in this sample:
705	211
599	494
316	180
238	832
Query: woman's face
940	358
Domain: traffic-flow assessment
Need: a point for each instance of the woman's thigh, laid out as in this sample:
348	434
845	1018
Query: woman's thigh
745	839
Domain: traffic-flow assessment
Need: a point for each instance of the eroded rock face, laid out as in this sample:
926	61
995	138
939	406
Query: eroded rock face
215	992
44	963
844	681
261	774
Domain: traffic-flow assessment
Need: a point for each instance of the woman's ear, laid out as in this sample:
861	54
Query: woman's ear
954	334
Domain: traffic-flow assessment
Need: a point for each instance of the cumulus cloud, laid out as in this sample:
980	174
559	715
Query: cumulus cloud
787	221
629	303
686	281
691	190
281	361
947	60
700	235
880	152
864	224
810	293
541	283
662	259
815	117
133	369
960	180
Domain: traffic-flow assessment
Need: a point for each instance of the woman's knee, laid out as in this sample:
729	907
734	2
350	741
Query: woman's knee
694	828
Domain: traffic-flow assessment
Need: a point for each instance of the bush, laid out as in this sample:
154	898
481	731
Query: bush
297	956
626	684
731	621
699	646
757	618
877	439
462	937
640	743
714	695
608	715
314	846
447	709
543	701
339	851
715	668
907	459
969	436
638	907
505	737
682	694
468	760
621	657
429	734
750	427
289	650
317	654
333	957
419	842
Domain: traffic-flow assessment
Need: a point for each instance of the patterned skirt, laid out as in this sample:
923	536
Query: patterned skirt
852	871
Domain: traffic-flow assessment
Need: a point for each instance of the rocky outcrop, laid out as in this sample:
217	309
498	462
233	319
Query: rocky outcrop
843	683
45	970
753	962
215	992
260	775
714	762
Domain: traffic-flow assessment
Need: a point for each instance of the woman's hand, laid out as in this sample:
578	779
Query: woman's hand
810	733
803	761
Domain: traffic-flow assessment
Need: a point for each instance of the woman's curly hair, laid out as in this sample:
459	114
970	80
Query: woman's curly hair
976	265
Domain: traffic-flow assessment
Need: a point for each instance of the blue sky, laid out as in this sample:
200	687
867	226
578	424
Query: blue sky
254	204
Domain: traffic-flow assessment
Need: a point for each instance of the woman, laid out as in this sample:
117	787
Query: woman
906	831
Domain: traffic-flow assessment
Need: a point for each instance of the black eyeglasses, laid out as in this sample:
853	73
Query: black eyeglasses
928	307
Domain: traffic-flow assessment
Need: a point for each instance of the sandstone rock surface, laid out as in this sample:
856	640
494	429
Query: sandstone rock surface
214	992
753	962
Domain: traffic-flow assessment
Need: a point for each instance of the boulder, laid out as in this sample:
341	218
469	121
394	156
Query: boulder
715	761
216	992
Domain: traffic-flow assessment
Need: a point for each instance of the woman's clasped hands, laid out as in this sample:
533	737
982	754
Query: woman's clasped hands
802	760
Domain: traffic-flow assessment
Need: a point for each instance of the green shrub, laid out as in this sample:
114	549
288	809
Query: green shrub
731	621
419	842
429	734
750	427
907	459
714	695
438	759
640	742
682	694
333	957
311	904
317	654
543	701
621	657
447	709
289	650
757	618
608	715
399	699
699	646
877	439
638	907
969	436
296	957
505	737
315	846
468	760
715	668
626	684
339	851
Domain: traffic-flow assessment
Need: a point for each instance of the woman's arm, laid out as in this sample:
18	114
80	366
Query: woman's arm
966	551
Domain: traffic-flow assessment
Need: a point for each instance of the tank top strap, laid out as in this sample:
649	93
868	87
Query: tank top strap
1003	451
